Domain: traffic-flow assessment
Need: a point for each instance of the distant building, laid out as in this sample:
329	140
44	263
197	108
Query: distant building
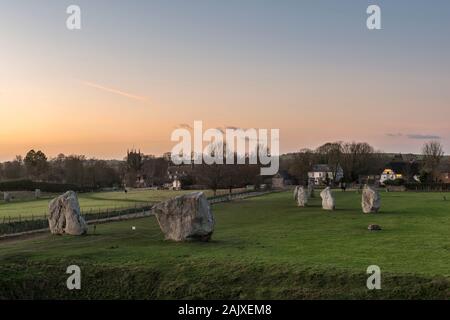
444	169
404	167
389	174
321	173
281	180
176	173
176	184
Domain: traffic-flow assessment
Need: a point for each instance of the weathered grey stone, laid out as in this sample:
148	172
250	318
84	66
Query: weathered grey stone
186	217
65	215
296	192
7	196
371	201
310	190
37	194
327	199
374	227
302	197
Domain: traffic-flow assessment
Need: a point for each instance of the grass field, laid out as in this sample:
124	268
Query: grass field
89	201
263	247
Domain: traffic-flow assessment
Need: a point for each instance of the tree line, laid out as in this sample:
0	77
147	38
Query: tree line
136	169
72	169
361	159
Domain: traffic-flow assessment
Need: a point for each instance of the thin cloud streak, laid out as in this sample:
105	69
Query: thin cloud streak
115	91
424	136
415	136
393	135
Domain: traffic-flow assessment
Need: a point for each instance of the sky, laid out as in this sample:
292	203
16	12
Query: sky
138	69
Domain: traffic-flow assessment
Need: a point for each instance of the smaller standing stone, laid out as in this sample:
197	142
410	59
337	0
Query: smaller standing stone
296	192
327	199
302	197
37	194
7	196
374	227
310	190
371	201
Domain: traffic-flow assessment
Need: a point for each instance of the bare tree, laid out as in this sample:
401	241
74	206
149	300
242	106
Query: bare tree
357	158
301	164
331	154
154	170
432	152
212	175
74	169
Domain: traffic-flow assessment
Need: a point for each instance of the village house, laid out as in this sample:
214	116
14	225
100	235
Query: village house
176	173
401	167
444	169
323	173
389	175
281	180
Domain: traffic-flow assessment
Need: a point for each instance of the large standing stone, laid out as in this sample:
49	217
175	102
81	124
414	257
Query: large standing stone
327	199
186	217
302	197
7	196
371	201
65	215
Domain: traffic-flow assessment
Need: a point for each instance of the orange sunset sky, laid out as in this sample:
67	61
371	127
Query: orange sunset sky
137	70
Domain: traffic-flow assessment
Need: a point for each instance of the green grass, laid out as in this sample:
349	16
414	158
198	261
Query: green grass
88	201
263	247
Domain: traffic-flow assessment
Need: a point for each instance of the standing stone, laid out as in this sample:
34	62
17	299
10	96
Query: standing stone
186	217
37	194
371	201
296	192
65	215
327	199
302	197
7	196
310	190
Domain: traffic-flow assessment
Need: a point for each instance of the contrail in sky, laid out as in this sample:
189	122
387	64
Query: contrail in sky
115	91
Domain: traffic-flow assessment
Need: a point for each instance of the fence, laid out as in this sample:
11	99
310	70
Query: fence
12	225
16	225
236	196
428	187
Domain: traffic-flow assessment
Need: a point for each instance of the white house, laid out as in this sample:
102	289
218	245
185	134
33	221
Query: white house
320	172
176	184
177	173
389	174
